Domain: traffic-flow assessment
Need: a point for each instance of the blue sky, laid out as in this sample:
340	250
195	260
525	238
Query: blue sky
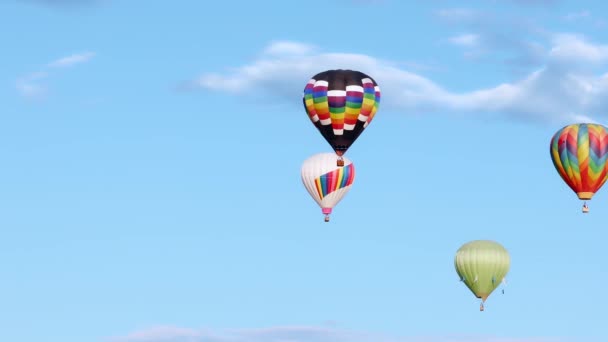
150	182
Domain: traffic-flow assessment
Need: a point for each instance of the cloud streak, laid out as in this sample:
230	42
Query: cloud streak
30	86
464	40
560	91
72	60
300	334
516	37
571	47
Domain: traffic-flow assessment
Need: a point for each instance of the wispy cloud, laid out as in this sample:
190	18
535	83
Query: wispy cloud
300	334
572	48
72	60
30	86
516	37
464	39
287	47
560	91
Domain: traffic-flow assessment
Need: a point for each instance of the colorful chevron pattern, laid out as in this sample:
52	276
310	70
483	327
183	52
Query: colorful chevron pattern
335	180
579	153
343	106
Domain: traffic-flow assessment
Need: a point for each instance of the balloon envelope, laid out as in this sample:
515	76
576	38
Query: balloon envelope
482	266
579	154
341	104
327	183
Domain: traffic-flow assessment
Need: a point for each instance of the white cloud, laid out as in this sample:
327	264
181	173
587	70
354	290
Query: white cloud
558	92
29	85
464	39
300	334
576	48
513	38
72	60
288	48
518	36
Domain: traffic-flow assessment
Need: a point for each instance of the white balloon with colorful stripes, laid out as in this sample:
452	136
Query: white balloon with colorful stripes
326	182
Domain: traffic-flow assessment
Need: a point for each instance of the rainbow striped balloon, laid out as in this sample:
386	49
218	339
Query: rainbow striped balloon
334	180
579	154
341	104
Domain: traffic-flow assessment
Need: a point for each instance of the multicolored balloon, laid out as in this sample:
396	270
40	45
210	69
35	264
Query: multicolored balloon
326	183
482	265
341	104
579	154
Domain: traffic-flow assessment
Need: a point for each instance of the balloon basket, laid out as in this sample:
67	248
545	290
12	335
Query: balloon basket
340	162
326	212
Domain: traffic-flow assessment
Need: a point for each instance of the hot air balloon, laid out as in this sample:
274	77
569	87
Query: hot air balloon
341	104
579	154
482	265
326	182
